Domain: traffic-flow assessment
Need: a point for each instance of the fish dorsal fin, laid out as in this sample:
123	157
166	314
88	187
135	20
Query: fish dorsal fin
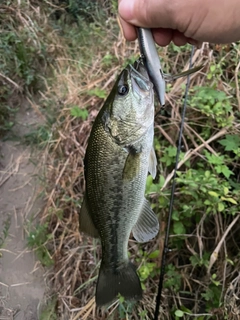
85	221
152	166
147	225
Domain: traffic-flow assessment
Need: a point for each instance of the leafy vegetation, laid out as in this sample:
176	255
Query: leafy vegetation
37	240
73	54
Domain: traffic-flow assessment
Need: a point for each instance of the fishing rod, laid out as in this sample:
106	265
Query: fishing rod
166	240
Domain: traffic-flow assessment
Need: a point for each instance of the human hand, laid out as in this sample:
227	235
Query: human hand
182	21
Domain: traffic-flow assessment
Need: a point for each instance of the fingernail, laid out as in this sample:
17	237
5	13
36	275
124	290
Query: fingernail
195	43
125	9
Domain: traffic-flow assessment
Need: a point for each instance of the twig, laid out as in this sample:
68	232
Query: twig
164	133
19	284
11	81
10	170
237	85
198	314
86	310
201	139
214	255
50	199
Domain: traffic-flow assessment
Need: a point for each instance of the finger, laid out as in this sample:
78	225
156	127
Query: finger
129	30
195	43
162	36
149	13
179	39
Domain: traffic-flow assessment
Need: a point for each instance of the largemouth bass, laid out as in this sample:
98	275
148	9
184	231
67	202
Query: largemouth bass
118	158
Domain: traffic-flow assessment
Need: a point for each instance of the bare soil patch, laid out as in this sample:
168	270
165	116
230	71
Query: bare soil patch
21	276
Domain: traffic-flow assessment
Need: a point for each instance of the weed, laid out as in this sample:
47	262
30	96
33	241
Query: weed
231	143
5	231
79	113
6	116
214	104
125	308
38	239
40	137
148	266
49	311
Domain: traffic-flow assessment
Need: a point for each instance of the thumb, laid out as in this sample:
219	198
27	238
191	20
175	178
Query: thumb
150	13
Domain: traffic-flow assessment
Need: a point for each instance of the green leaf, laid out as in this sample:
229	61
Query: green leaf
226	172
172	151
98	93
213	194
121	299
178	227
230	261
49	311
212	68
225	190
150	186
175	215
231	142
154	254
183	308
229	200
161	181
214	159
221	207
79	113
179	313
207	174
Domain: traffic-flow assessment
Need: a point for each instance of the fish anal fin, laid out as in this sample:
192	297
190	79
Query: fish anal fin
85	221
147	225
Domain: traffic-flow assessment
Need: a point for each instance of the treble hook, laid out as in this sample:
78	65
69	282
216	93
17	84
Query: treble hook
152	63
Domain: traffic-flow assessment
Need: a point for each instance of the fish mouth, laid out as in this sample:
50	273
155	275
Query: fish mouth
139	76
139	67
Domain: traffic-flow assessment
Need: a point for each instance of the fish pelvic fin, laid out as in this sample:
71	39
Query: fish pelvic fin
123	281
85	221
147	225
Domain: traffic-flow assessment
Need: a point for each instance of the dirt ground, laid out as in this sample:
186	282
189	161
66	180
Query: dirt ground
21	276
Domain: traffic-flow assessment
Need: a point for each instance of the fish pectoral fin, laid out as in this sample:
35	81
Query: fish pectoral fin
147	225
132	166
85	221
152	166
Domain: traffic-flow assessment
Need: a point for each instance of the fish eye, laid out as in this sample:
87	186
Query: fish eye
123	89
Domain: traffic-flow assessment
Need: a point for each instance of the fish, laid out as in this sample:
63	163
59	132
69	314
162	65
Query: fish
118	158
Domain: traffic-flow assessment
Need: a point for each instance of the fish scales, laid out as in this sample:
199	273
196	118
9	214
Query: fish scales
107	189
117	161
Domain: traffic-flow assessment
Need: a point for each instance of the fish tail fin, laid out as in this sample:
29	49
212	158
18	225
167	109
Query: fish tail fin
123	281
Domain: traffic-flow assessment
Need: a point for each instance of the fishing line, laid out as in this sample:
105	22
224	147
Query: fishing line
166	249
